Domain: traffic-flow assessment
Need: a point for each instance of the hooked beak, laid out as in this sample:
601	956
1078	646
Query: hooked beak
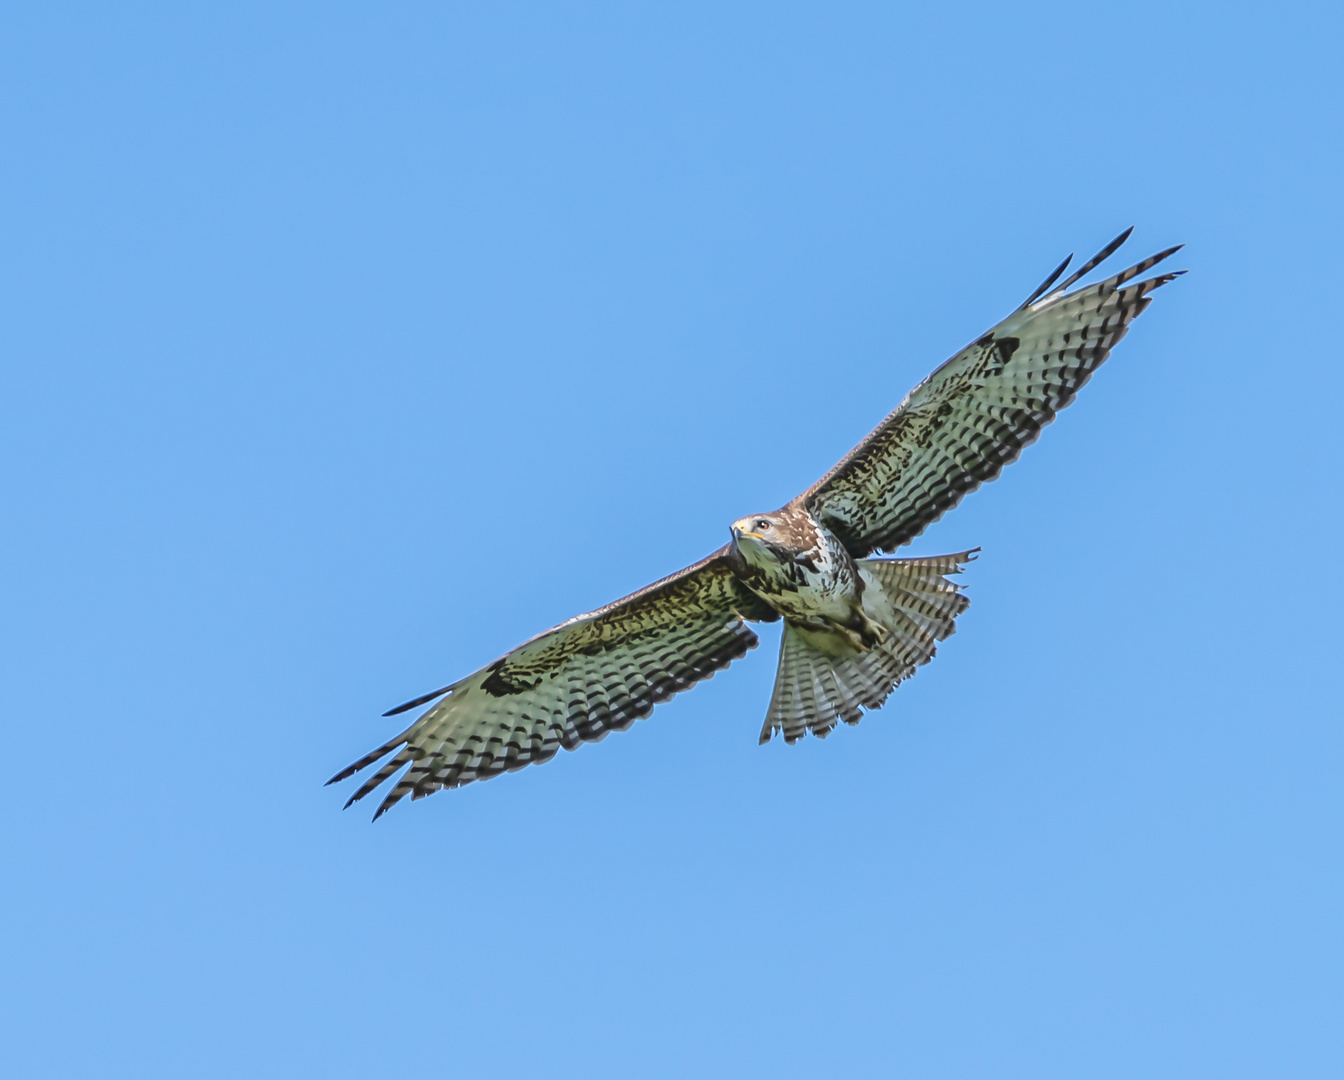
739	532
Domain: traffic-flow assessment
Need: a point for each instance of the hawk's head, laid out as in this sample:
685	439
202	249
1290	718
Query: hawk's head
758	527
780	537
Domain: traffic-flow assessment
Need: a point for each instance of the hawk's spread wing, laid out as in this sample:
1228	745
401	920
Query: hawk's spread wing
971	417
590	675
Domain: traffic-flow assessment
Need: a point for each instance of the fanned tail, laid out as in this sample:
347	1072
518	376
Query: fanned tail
823	678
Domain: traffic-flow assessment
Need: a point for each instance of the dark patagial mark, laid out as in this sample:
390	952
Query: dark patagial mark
497	684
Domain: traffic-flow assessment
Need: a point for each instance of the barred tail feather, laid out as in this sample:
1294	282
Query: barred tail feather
823	678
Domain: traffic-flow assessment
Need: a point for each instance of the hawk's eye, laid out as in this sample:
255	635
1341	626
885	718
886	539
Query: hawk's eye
762	525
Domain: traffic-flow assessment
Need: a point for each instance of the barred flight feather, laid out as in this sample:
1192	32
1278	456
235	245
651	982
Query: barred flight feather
591	675
822	680
975	414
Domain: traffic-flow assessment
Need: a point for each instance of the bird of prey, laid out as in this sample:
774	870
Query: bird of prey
854	626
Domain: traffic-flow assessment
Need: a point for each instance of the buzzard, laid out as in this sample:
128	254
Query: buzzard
854	626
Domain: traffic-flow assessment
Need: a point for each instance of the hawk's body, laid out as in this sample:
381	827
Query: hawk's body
797	566
855	627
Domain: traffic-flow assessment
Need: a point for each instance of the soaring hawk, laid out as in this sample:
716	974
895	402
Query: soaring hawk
854	626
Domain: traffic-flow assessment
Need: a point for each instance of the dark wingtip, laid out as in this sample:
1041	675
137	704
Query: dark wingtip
364	789
1097	259
421	700
1167	253
1160	280
1054	276
1111	248
344	774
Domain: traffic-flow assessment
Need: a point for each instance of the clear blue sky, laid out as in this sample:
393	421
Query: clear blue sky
345	346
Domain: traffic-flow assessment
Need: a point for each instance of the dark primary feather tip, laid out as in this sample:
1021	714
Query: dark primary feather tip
348	771
421	700
1161	279
1054	276
1106	252
1096	260
1113	246
1166	254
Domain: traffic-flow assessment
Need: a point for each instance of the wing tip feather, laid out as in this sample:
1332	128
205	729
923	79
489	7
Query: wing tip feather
1050	280
423	699
1096	260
